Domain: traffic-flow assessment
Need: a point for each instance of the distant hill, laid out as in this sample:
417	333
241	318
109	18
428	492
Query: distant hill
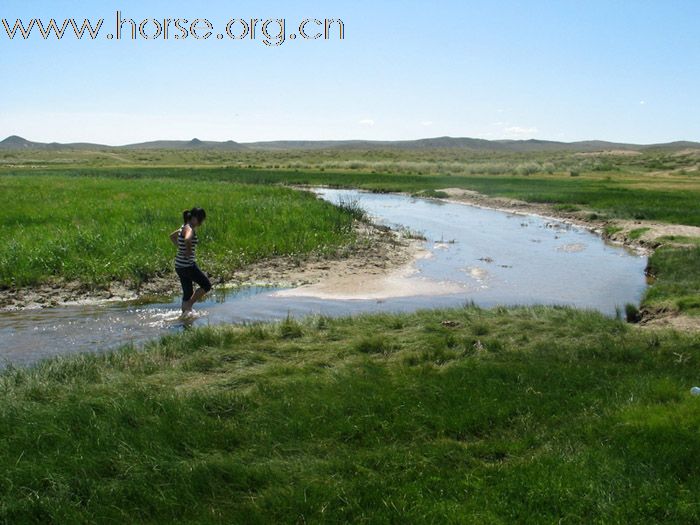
524	146
15	142
18	143
186	144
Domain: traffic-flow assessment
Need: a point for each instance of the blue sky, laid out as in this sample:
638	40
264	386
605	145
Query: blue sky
565	70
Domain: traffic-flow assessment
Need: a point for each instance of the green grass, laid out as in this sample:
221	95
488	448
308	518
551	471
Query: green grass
637	233
676	285
520	415
628	195
680	239
103	228
612	230
526	415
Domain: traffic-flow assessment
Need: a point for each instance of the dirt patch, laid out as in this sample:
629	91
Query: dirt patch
654	319
652	234
377	253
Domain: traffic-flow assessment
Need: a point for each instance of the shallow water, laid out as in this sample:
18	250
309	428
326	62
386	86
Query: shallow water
496	258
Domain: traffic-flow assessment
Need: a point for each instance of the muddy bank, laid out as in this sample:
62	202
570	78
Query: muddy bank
377	252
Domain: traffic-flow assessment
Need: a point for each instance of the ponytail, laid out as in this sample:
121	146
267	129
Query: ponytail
198	213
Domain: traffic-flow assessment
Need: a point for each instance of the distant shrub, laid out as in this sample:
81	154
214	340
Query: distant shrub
528	168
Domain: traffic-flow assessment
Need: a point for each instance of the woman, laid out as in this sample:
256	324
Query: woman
185	238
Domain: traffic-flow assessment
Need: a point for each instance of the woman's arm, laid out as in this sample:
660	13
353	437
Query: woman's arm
173	236
187	234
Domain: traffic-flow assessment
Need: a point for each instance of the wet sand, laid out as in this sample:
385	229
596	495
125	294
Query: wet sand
378	285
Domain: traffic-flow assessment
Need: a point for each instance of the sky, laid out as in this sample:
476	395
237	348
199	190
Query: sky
626	71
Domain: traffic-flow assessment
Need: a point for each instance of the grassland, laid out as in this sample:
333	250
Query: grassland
661	186
105	228
111	209
518	415
525	415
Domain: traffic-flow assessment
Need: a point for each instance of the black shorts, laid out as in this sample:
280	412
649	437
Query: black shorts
189	275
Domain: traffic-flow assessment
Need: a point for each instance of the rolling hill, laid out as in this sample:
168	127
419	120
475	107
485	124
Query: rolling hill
15	142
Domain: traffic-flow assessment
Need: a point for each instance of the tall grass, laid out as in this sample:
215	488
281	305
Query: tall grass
527	415
98	229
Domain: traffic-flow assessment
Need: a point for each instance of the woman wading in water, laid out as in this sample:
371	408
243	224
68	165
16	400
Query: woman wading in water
185	238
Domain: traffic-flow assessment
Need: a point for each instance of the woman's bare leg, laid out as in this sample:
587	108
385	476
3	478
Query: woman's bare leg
196	297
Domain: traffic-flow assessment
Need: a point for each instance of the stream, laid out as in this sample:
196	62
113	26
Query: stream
494	257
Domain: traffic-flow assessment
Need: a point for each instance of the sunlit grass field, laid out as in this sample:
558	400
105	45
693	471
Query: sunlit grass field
657	186
102	228
524	415
508	415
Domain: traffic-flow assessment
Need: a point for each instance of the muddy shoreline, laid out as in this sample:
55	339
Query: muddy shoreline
377	251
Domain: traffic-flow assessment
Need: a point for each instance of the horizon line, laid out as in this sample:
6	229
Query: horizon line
196	139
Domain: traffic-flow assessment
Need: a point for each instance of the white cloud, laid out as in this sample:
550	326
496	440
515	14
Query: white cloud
642	102
426	123
520	130
366	122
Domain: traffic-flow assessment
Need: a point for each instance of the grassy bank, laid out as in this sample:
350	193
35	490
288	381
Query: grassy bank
103	228
676	284
527	415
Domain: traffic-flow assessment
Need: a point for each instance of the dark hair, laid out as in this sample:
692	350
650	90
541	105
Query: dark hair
197	213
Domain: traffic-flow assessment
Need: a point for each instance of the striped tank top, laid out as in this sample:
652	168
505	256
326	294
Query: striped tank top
181	260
